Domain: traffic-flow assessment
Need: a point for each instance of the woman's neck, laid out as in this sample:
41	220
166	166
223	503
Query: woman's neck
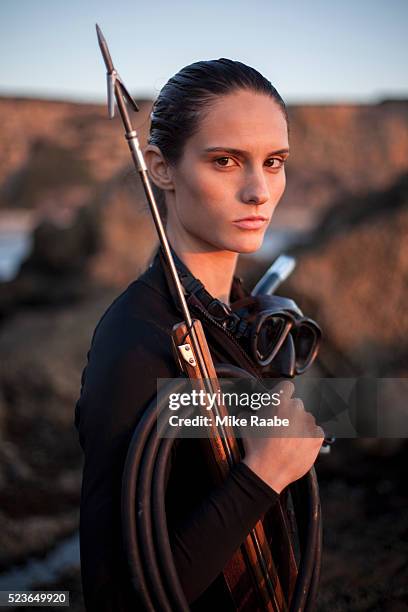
215	269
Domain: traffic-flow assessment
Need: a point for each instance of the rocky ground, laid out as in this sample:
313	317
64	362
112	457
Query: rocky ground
352	276
365	551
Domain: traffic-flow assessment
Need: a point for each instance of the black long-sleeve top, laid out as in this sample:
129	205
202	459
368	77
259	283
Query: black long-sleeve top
130	349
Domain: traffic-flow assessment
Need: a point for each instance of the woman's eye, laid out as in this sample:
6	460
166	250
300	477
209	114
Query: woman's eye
223	161
273	162
276	162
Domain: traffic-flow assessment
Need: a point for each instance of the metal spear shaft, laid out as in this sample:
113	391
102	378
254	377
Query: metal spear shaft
117	89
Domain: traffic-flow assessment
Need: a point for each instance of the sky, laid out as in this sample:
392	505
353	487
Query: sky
312	51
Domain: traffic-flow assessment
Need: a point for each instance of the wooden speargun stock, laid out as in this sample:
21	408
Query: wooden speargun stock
253	558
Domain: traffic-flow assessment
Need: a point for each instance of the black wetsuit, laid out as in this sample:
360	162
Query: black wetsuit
130	349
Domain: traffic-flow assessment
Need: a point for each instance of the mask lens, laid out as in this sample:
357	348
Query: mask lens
269	335
305	342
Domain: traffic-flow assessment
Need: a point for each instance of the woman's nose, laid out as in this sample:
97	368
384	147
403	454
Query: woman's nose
255	190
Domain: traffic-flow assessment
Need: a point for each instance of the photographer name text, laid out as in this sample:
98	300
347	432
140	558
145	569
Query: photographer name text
227	421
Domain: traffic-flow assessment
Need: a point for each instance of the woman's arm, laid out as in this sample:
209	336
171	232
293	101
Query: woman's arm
205	540
118	384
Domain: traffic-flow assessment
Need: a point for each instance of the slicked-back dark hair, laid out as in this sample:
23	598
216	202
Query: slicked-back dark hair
184	98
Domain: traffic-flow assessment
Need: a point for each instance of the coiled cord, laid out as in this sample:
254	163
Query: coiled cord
144	525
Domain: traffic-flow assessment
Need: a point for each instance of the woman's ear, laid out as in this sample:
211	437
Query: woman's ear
159	170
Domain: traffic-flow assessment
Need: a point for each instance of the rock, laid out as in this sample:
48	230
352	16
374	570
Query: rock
353	282
42	355
108	244
94	237
33	535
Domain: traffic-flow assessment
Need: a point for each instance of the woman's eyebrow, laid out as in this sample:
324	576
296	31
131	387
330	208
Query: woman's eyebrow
240	151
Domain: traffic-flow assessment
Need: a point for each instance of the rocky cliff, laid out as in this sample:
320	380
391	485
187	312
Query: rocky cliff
68	165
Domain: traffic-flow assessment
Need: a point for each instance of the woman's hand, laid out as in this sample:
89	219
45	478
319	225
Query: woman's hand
281	460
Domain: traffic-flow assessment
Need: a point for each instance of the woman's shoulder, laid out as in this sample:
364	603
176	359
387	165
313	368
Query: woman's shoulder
131	342
138	307
138	321
145	305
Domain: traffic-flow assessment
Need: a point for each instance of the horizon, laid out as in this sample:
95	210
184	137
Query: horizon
40	98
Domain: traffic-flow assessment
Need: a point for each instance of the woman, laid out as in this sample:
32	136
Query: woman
216	155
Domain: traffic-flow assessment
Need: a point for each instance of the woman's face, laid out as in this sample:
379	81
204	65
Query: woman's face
231	175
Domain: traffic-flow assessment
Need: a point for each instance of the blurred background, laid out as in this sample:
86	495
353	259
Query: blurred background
75	231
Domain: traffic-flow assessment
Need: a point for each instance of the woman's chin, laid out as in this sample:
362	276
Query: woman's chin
244	242
250	243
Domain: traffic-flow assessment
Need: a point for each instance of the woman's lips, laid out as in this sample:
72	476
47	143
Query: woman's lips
251	223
